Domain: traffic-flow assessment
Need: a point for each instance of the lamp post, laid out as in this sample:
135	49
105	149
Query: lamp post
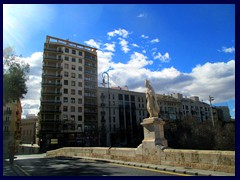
210	100
104	74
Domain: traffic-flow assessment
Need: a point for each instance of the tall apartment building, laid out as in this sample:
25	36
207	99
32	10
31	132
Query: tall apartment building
68	94
119	116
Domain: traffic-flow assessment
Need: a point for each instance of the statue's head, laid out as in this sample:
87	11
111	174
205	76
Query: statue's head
147	82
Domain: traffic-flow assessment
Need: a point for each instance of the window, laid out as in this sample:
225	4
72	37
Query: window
66	58
7	118
80	53
73	51
79	68
80	61
72	91
65	82
65	74
65	99
65	91
66	66
73	83
120	97
72	108
73	60
79	118
65	108
79	92
66	50
79	76
73	75
65	117
72	100
73	117
79	101
79	84
79	109
73	67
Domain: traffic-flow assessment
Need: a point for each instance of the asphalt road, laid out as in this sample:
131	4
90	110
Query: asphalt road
80	167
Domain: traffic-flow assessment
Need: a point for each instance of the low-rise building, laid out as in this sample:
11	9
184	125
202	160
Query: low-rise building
29	129
11	124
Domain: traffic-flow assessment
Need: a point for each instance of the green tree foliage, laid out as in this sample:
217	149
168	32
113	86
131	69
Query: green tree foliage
15	75
191	134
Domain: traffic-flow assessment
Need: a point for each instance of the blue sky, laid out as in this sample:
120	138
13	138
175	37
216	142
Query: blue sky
181	48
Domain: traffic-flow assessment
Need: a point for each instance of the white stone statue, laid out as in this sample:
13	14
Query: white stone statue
152	105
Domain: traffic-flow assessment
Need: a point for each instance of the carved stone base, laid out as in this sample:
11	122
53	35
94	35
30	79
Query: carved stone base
153	133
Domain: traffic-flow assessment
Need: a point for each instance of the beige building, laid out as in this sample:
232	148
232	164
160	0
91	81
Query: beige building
29	126
175	106
120	115
11	124
69	92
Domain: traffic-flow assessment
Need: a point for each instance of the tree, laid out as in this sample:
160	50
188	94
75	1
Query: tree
15	75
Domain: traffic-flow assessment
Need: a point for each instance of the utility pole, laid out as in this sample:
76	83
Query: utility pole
210	100
109	115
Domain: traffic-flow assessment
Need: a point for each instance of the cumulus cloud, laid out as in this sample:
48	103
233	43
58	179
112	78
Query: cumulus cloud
124	45
110	47
120	32
228	50
155	40
162	58
143	36
92	43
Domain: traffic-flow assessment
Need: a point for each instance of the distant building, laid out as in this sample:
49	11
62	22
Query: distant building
122	125
176	107
29	126
221	113
11	124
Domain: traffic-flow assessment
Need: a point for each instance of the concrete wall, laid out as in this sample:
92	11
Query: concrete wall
223	161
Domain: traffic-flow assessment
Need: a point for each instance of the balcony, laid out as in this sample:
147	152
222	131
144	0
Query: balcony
51	76
52	67
90	58
52	58
47	49
51	93
50	102
51	84
50	111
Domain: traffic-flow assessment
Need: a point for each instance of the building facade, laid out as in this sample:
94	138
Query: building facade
119	116
29	129
177	107
12	113
68	93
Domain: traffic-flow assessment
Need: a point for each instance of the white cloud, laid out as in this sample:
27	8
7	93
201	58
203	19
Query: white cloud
121	32
135	45
141	15
143	36
93	43
155	40
109	47
124	45
144	51
162	58
228	50
104	61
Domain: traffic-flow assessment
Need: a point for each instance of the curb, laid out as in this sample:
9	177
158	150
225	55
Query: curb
193	172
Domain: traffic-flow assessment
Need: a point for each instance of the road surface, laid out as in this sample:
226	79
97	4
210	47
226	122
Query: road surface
39	165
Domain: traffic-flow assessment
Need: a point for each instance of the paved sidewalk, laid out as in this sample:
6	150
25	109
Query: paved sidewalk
12	169
194	172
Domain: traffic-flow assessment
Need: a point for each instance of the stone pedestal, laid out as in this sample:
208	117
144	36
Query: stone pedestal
153	133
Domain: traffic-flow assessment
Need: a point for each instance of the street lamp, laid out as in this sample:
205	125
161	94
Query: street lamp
210	100
104	74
